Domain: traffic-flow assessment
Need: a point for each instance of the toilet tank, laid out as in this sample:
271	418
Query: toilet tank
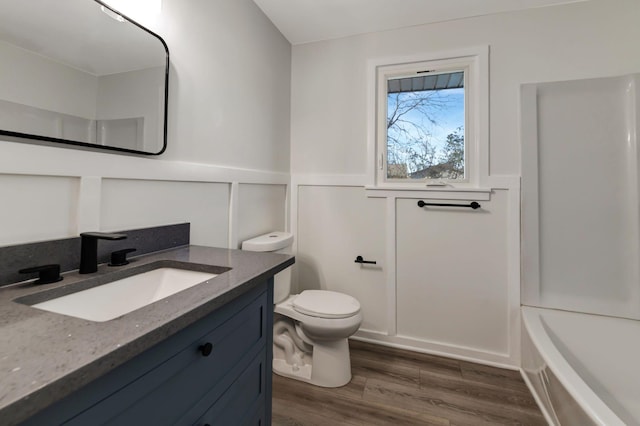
275	242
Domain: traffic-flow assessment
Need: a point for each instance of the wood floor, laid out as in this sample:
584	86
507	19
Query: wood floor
396	387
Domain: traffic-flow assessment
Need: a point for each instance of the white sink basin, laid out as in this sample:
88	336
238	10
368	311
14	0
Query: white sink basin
111	300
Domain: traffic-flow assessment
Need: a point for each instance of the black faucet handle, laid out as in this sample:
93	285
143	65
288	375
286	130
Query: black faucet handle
47	273
119	257
104	235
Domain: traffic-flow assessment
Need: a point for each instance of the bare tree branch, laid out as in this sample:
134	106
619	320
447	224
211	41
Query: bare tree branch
410	115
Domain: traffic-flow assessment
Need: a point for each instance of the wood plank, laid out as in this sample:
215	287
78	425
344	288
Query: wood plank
299	413
293	400
394	356
384	370
509	379
479	390
458	409
353	390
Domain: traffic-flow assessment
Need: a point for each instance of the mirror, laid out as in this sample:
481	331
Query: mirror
80	73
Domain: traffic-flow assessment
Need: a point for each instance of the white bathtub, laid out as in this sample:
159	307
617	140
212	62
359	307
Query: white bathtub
583	369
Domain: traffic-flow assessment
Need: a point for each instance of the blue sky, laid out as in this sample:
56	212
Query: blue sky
447	119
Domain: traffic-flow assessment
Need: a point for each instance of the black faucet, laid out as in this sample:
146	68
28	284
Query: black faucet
89	249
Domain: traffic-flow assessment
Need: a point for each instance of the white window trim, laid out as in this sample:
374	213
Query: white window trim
477	131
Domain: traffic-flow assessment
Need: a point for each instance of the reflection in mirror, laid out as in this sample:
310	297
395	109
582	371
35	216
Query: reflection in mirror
77	72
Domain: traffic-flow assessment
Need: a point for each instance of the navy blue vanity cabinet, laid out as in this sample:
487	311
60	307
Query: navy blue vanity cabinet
216	372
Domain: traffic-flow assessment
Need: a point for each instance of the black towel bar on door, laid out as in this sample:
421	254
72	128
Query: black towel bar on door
473	205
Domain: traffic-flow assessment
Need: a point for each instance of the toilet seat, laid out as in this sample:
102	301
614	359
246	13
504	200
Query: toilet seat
325	329
325	304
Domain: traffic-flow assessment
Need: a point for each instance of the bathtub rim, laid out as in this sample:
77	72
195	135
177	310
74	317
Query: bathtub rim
584	396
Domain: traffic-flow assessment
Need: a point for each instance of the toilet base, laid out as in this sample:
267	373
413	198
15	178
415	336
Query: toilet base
281	368
330	365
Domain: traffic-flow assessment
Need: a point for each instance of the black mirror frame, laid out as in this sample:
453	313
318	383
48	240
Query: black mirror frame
103	147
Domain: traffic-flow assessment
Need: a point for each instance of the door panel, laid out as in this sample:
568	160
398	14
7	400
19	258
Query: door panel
335	225
452	274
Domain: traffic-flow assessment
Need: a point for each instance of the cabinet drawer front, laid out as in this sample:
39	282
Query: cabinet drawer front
165	393
243	402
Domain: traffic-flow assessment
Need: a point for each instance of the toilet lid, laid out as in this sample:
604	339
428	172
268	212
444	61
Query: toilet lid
326	304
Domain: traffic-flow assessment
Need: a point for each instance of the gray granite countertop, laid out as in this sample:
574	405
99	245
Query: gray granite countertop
46	356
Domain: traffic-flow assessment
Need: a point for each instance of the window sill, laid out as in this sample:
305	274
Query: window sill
433	192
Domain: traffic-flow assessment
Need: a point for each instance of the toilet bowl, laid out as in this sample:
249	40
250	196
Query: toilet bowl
311	329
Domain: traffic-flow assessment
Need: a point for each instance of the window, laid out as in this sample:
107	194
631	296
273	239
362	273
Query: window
427	120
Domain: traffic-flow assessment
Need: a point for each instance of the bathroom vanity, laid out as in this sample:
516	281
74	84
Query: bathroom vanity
201	356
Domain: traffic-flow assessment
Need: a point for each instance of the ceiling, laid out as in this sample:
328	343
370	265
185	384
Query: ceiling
304	21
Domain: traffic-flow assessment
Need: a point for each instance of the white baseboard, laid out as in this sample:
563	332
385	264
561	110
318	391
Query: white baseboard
436	348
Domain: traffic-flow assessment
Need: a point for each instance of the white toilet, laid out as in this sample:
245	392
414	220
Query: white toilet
310	329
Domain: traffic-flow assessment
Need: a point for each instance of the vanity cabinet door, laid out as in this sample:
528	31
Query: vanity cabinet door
243	403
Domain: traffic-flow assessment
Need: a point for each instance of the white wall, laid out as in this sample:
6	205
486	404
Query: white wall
37	207
452	284
228	125
230	86
167	202
337	224
263	210
329	132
